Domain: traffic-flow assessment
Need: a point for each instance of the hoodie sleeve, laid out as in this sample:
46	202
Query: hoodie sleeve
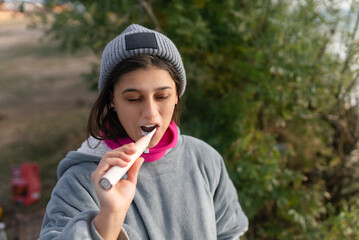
72	207
230	219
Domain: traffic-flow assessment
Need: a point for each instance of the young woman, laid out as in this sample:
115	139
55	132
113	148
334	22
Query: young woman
178	189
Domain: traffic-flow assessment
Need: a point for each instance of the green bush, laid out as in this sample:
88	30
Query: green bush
266	90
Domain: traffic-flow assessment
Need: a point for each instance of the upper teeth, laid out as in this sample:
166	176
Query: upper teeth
150	125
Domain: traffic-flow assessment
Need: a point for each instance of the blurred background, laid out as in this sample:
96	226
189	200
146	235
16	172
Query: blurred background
272	85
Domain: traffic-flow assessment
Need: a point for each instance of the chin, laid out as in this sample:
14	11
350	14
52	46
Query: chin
153	143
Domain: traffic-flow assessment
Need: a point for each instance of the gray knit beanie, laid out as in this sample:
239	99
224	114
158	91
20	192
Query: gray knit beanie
138	40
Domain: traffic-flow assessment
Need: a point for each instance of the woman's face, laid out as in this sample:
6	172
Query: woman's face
145	99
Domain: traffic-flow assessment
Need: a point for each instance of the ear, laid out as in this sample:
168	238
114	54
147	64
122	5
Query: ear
112	101
112	104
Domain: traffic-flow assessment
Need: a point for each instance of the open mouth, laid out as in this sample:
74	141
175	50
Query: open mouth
146	129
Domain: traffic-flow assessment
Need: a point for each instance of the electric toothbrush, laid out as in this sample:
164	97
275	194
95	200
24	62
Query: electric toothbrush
115	173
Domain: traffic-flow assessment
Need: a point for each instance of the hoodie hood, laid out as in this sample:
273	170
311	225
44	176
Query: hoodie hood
91	150
75	158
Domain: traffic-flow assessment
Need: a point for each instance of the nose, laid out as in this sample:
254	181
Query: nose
150	109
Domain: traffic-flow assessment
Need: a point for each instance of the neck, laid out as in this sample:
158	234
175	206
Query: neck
168	141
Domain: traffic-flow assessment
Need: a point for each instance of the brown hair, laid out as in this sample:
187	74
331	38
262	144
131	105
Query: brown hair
103	122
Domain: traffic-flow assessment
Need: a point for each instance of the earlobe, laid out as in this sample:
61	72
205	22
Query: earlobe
112	97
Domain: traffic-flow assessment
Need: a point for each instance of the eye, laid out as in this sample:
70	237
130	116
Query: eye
133	99
162	97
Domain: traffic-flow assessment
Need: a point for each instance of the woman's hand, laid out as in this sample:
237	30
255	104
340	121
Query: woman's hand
114	203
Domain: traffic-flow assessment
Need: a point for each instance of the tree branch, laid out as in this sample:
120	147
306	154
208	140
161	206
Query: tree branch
150	13
350	194
349	54
340	125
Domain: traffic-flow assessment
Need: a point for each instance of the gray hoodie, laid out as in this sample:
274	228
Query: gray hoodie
186	194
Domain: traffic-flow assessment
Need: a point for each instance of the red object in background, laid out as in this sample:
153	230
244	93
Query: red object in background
26	183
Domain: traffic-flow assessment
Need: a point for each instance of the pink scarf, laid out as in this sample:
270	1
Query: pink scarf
168	141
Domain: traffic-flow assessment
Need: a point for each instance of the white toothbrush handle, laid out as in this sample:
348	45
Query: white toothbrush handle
115	173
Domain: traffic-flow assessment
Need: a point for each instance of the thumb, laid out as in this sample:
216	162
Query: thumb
134	170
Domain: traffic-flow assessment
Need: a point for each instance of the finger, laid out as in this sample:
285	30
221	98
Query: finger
117	154
108	163
127	148
113	159
100	171
130	150
134	170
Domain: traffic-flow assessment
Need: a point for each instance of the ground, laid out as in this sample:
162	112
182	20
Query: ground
44	104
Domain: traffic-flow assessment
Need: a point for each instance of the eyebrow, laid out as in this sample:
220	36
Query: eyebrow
136	90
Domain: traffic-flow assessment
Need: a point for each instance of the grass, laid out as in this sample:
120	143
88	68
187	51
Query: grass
36	52
45	142
44	106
